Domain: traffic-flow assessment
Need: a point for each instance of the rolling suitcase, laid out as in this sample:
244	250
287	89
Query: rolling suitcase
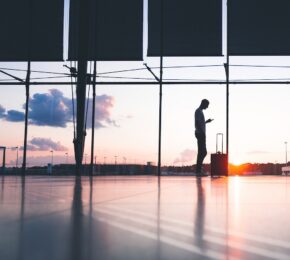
219	160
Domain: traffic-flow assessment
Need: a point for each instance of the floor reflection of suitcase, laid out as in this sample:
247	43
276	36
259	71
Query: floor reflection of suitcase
219	160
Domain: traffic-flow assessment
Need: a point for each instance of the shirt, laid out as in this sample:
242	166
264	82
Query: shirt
199	121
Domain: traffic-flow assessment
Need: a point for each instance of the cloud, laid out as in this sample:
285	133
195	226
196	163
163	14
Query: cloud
14	116
55	110
2	111
186	156
44	144
50	109
104	104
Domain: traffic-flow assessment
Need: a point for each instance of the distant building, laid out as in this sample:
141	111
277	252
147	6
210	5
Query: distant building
285	170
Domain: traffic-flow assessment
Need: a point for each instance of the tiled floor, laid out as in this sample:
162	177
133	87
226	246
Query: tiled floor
51	218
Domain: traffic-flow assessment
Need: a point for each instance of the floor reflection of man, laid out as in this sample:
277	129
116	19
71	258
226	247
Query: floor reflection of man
199	215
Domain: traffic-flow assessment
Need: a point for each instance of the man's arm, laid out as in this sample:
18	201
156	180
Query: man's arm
209	120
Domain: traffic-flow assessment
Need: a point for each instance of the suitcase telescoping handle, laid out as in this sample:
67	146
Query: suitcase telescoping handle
217	136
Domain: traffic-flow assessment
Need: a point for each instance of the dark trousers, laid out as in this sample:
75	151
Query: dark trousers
201	151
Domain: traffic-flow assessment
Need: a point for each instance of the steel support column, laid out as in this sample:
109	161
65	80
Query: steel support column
83	35
227	68
27	90
160	87
93	118
4	159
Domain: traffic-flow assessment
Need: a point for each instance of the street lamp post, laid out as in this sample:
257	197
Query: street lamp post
17	148
51	157
286	153
116	167
66	158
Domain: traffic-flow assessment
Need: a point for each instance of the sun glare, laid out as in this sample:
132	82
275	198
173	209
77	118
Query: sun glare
235	162
236	167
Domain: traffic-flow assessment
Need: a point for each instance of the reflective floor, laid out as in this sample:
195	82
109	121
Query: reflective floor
51	218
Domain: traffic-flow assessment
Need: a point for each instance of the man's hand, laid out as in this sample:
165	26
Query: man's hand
208	121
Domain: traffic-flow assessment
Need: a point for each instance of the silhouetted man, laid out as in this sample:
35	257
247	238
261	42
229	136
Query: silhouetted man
200	134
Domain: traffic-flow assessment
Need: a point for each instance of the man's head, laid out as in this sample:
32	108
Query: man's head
204	104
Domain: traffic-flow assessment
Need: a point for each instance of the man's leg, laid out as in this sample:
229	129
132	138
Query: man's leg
201	154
